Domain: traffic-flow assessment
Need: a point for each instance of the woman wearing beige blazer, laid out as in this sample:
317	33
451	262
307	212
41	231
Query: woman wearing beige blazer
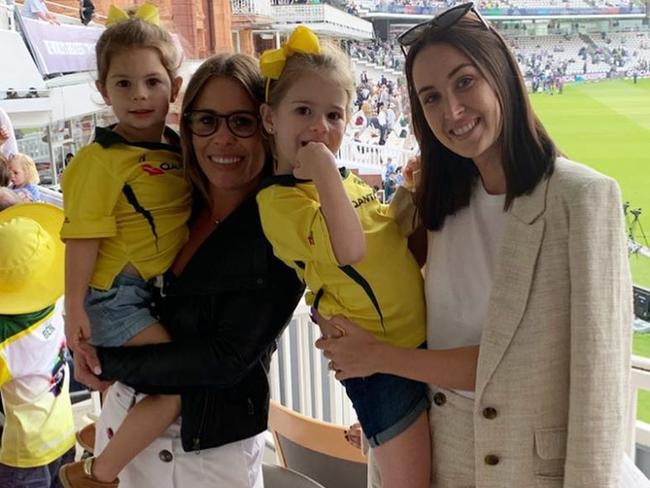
529	304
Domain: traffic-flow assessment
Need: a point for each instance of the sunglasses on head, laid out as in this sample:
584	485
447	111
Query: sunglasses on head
441	21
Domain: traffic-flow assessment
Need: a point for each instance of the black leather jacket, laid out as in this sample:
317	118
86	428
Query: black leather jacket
224	314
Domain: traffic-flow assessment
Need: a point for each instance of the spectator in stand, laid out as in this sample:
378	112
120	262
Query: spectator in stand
5	172
390	186
24	177
390	117
382	123
68	158
37	9
399	177
402	125
364	77
359	120
86	11
8	146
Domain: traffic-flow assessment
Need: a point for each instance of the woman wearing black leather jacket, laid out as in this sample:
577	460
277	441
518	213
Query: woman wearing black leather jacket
224	302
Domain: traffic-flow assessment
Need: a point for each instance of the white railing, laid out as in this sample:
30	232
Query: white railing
325	17
7	15
300	378
638	431
251	7
358	154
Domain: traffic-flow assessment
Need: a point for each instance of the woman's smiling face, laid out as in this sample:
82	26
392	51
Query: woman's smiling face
460	107
230	163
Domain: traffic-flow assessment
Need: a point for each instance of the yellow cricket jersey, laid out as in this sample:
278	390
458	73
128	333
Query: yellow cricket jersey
34	381
132	196
383	293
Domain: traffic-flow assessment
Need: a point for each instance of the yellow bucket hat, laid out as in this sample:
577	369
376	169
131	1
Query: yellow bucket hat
31	257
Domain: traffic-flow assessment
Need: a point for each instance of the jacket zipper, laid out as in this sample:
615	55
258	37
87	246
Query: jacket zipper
196	442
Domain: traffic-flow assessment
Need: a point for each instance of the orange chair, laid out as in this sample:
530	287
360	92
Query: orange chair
317	449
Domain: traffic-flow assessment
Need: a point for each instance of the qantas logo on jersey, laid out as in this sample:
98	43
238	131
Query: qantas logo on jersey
160	169
151	170
370	197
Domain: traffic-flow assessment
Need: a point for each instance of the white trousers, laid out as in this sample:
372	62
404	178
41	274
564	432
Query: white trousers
164	464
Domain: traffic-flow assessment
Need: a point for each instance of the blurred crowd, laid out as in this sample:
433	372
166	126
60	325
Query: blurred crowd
18	173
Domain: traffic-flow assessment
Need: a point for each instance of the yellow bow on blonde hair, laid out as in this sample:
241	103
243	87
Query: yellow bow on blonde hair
147	12
272	62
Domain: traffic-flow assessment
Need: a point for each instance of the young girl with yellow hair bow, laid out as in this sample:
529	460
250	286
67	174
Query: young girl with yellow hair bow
126	204
346	246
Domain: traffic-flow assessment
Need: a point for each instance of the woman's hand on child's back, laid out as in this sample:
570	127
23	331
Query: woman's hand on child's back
313	160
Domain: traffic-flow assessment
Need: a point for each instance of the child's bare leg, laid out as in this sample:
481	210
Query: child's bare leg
154	334
144	423
405	460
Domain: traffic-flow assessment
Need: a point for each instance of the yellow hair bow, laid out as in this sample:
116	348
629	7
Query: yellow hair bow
272	62
147	12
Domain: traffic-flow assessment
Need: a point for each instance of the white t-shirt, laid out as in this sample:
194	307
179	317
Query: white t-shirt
461	259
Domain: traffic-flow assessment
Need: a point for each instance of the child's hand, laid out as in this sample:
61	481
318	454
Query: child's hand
353	435
77	327
313	160
411	173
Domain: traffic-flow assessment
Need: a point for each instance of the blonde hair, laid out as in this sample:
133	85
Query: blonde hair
29	167
239	67
135	33
331	62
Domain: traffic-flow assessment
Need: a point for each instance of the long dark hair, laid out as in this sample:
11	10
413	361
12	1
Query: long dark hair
528	152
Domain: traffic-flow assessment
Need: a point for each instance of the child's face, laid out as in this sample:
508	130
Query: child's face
139	89
314	110
18	177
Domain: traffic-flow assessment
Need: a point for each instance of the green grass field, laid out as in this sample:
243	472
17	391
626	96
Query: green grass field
606	125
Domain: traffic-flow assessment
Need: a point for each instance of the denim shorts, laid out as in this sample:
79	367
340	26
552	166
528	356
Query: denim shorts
38	476
386	405
120	313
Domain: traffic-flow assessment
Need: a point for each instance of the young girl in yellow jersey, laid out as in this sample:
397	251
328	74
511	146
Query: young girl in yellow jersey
126	204
346	246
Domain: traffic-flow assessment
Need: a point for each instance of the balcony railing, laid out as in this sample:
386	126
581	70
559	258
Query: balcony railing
324	19
300	378
251	7
638	431
372	156
7	16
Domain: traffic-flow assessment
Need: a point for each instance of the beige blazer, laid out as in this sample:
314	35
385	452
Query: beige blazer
555	354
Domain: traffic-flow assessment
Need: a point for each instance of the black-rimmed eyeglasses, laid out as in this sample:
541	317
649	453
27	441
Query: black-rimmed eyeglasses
204	123
441	21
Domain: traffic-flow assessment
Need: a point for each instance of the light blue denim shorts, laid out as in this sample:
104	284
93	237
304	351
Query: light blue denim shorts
120	313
